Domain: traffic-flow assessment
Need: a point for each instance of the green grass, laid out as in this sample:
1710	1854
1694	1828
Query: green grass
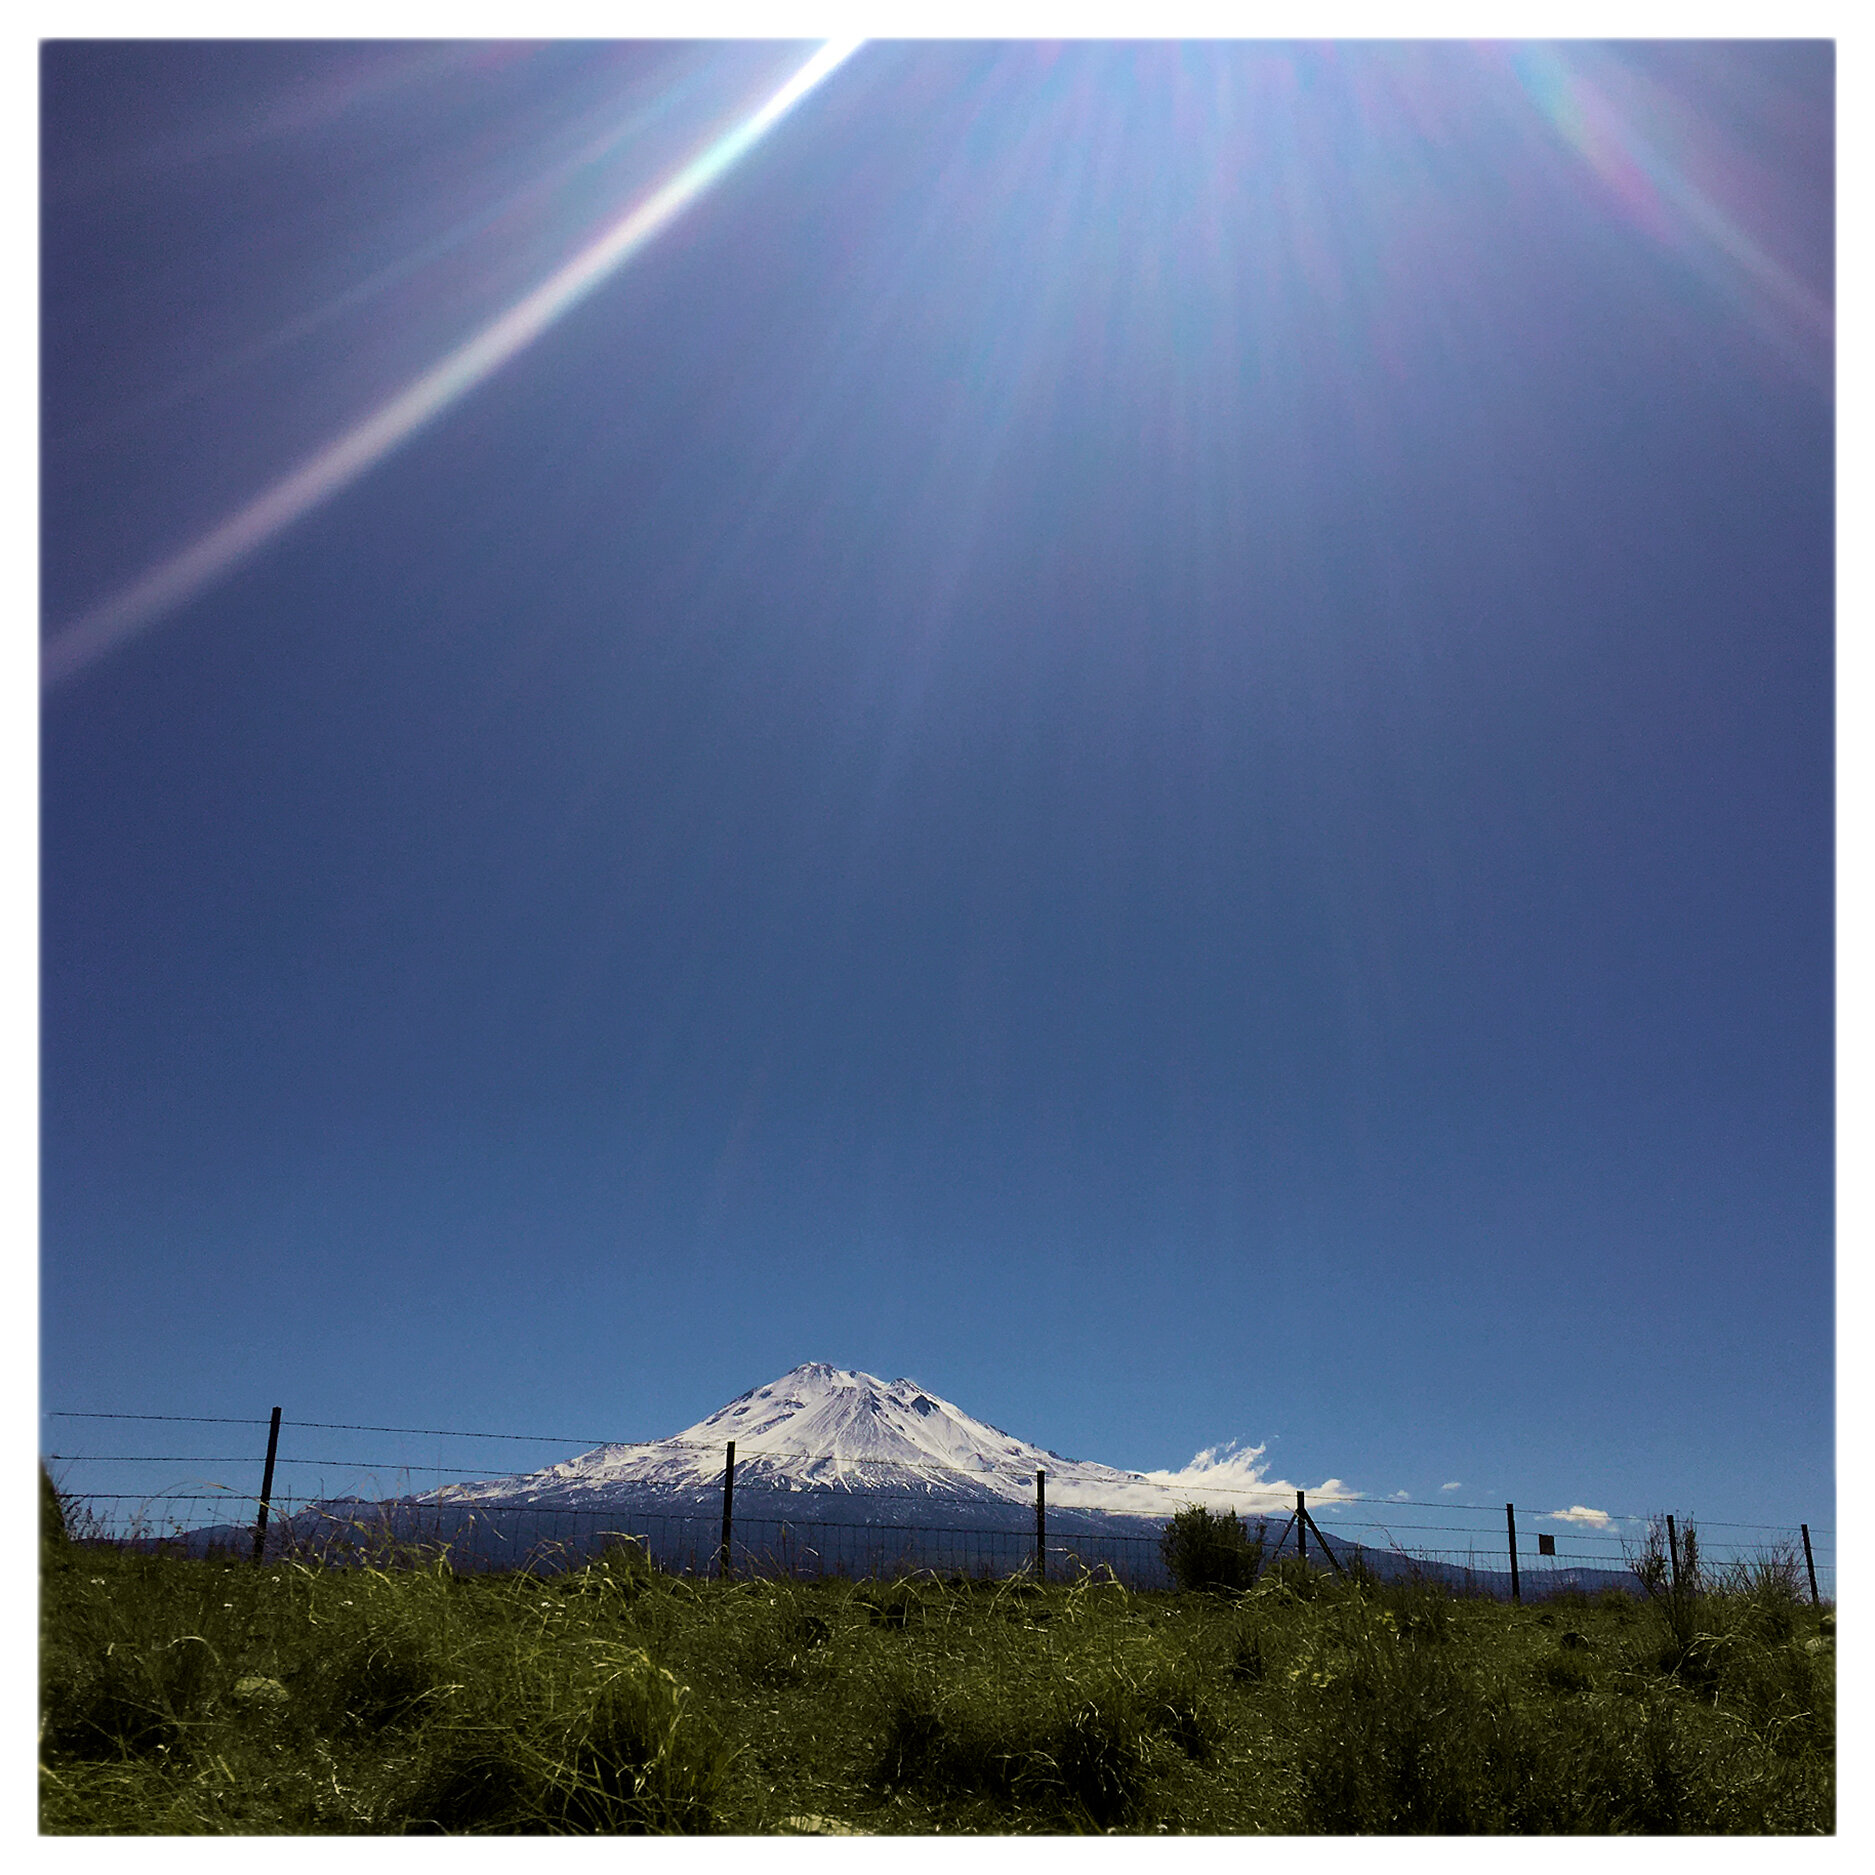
198	1697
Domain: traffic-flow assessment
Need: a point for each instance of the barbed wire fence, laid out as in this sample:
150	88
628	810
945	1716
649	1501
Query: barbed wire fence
343	1507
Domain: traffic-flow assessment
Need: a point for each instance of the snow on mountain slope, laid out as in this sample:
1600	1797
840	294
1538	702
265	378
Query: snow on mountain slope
826	1429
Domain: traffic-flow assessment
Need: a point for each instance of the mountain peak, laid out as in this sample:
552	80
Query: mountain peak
820	1428
845	1417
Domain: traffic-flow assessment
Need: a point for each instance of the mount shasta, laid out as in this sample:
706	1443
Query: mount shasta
837	1471
824	1443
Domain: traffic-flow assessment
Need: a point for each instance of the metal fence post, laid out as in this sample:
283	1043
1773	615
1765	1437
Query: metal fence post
1302	1540
1809	1562
1673	1552
266	1487
1516	1582
1041	1528
729	1499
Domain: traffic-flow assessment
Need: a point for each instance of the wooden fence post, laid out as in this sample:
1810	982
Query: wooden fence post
729	1499
1516	1581
1809	1563
1302	1520
1041	1528
1673	1552
266	1487
1327	1548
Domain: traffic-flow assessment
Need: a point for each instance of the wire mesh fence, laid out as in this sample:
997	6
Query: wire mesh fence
378	1506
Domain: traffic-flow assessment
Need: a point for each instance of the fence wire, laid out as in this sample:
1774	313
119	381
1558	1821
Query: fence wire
1465	1543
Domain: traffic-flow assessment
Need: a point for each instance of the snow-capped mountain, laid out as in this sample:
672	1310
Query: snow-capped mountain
837	1472
819	1431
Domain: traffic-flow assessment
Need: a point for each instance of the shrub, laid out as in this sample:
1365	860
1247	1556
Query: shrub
1203	1550
1766	1590
1675	1587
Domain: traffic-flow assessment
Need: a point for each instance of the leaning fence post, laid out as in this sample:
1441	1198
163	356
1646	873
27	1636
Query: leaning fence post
1673	1552
1510	1523
1302	1539
1041	1528
729	1499
266	1486
1326	1548
1809	1563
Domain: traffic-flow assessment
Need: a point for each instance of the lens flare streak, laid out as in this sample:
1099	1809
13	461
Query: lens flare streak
1654	189
367	443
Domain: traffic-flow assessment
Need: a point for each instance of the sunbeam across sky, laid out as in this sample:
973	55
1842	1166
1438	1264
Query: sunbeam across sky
368	441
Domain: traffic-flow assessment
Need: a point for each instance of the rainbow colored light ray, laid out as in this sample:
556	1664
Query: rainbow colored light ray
176	580
1653	184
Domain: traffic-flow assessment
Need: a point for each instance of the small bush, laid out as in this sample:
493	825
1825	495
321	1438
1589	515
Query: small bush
1673	1581
1766	1590
1204	1550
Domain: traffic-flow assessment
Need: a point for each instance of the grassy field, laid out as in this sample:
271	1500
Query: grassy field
199	1697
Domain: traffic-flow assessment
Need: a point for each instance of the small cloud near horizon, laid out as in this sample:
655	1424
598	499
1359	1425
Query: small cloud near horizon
1455	1485
1581	1513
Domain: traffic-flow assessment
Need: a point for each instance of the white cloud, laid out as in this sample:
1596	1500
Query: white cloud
1235	1477
1219	1459
1229	1476
1453	1486
1580	1513
1401	1497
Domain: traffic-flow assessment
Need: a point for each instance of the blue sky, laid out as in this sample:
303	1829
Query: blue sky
1142	730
